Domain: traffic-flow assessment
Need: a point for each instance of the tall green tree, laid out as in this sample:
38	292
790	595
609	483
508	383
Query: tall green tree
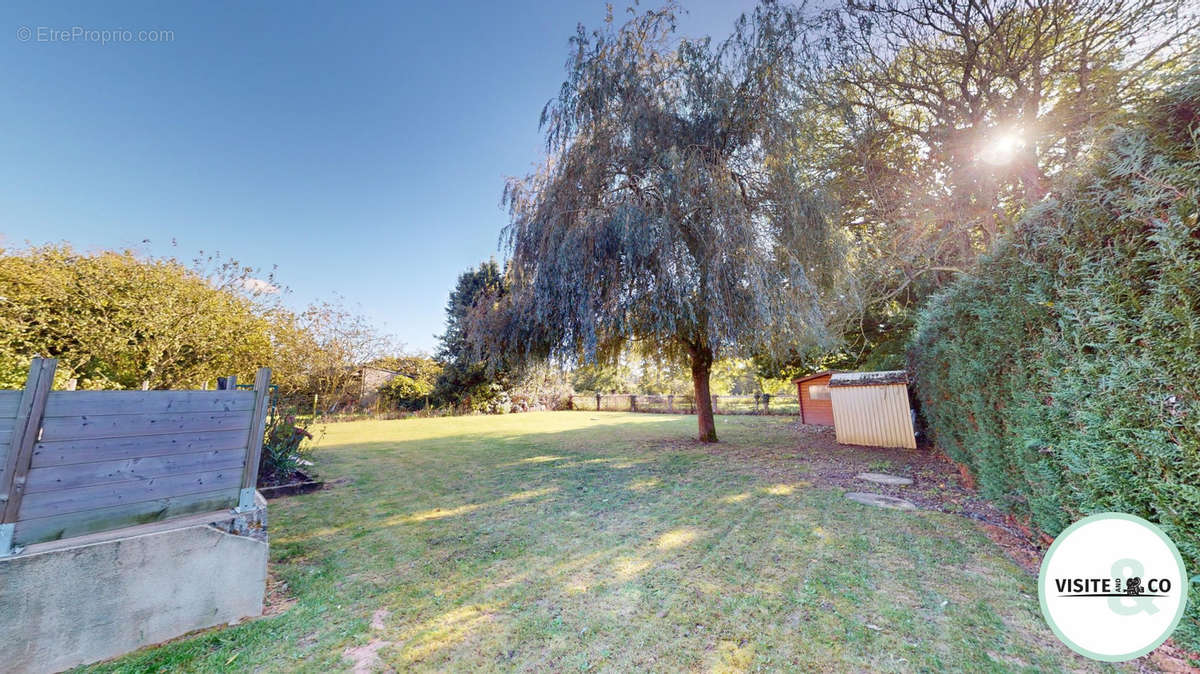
466	378
938	122
671	215
934	124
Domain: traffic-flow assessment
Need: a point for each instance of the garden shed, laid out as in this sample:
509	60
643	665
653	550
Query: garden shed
872	408
813	393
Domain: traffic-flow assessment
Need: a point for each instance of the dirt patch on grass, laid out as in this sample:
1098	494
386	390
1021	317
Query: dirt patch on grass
278	598
1169	658
378	618
1021	550
939	484
365	659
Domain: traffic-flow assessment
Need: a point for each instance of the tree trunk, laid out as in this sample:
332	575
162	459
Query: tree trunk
702	359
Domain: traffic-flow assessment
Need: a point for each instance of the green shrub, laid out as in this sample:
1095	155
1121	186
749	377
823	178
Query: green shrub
1065	373
406	393
282	452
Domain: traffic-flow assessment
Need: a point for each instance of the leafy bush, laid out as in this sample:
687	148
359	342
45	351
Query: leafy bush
494	399
406	393
542	387
1066	372
282	450
117	319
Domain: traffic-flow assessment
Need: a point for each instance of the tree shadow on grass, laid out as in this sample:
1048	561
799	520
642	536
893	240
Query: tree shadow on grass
626	547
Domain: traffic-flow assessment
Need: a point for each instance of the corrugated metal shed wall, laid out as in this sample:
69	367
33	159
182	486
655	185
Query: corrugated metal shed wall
873	415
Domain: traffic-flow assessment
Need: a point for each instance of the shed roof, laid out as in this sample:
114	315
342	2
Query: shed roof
822	373
869	378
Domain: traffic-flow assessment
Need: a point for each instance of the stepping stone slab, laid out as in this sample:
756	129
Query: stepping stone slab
884	478
881	501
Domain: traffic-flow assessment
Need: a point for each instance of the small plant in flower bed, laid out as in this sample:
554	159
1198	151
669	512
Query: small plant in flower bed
283	453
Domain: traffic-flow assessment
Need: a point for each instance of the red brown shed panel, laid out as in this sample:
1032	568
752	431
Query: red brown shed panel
815	405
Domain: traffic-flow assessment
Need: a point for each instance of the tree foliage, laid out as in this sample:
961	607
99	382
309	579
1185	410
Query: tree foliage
417	366
1065	372
940	121
406	393
544	386
932	125
123	320
671	215
466	380
412	388
602	378
117	320
319	350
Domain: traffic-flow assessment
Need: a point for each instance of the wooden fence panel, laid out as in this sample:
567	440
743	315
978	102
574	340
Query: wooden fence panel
65	501
9	400
26	428
100	460
87	403
95	427
9	403
86	450
105	519
72	476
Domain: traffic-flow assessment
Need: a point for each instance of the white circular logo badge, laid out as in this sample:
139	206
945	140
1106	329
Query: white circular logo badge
1112	587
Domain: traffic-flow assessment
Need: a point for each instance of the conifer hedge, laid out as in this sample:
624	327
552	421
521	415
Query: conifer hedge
1065	372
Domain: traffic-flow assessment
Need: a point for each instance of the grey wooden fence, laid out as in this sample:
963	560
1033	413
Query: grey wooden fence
79	462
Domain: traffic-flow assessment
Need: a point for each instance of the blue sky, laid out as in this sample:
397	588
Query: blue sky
361	147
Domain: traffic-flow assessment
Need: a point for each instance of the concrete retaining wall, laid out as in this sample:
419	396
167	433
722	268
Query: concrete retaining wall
82	603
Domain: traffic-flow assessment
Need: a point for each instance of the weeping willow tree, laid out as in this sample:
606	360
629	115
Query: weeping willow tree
670	216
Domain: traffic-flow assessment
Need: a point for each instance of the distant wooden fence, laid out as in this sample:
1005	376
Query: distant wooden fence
79	462
684	404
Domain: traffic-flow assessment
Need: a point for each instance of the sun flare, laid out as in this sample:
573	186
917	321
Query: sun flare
1002	148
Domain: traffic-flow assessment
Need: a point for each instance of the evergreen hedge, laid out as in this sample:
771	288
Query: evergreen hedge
1065	371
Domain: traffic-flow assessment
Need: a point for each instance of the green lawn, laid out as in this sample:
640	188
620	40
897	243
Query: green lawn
579	540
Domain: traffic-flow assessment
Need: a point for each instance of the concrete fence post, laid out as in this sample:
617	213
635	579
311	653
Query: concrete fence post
671	402
597	402
632	403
